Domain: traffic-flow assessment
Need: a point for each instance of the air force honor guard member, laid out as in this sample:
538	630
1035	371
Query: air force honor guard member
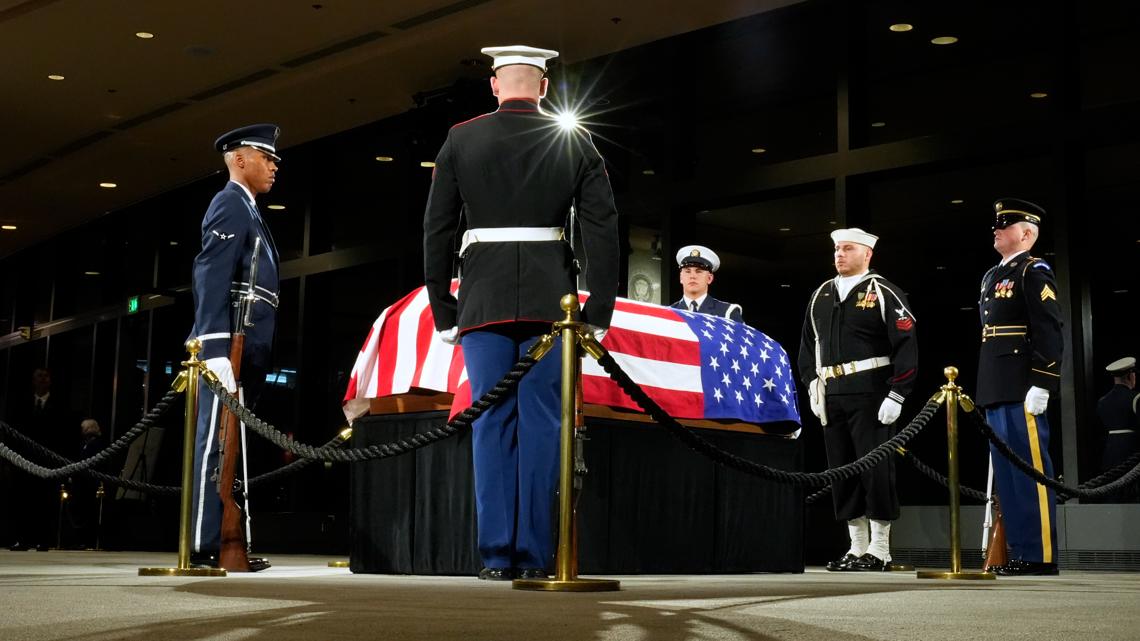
858	357
697	265
230	228
1019	367
515	175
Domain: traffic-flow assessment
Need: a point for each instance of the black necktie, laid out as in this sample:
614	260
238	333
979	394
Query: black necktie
693	305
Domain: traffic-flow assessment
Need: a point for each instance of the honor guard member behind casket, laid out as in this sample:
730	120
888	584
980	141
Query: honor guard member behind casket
1118	411
231	229
858	357
1019	368
697	265
515	174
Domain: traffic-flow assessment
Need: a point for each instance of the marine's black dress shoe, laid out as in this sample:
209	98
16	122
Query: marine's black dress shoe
843	564
868	563
19	546
531	573
1017	567
206	560
496	574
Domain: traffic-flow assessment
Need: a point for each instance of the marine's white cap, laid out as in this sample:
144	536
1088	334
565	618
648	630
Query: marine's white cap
519	55
854	235
1121	366
698	256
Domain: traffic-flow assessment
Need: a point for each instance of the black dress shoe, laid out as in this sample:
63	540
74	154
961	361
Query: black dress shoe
495	574
19	547
1017	567
531	573
868	563
843	564
258	563
206	560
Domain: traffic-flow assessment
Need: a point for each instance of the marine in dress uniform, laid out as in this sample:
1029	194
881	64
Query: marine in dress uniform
230	228
1117	411
514	173
1019	367
697	265
858	357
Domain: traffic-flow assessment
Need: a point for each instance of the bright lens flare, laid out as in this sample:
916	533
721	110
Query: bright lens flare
567	120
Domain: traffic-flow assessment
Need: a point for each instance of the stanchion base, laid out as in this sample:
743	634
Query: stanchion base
338	564
947	574
182	572
569	585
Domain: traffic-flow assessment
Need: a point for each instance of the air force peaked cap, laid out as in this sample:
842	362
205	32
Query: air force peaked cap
854	235
1121	366
262	137
1008	211
697	256
519	55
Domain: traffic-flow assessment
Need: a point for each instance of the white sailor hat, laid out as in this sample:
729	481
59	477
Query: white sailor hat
854	235
519	55
698	256
262	137
1121	366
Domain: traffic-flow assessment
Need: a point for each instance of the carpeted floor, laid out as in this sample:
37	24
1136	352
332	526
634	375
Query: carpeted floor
97	596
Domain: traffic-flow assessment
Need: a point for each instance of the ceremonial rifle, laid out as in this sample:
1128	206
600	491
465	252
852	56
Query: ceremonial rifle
233	555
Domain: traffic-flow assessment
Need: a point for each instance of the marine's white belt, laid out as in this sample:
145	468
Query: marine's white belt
846	369
508	234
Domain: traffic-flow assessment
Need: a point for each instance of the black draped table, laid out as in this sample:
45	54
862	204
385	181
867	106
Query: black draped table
649	504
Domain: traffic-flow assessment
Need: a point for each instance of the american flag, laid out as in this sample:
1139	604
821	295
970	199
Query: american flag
694	365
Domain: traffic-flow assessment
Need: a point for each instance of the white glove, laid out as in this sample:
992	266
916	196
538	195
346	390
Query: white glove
222	368
450	336
1036	400
598	332
889	411
813	397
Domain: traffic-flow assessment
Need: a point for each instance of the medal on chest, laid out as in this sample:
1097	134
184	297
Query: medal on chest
1004	289
866	300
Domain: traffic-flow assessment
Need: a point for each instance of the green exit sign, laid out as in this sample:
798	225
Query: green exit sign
133	304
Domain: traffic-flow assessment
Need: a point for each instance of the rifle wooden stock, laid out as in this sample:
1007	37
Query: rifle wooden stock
995	551
232	554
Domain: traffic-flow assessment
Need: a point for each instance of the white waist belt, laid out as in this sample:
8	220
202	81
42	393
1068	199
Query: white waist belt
846	369
507	235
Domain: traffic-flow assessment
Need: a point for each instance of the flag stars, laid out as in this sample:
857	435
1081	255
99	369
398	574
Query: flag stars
747	383
736	366
769	384
706	334
783	359
764	355
739	397
779	371
784	398
744	351
713	363
755	369
756	400
724	349
748	341
717	395
787	389
727	337
725	379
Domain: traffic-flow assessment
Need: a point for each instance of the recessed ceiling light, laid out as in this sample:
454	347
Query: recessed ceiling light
144	35
1038	94
785	229
940	268
759	150
427	163
785	285
1120	291
8	227
90	273
384	158
647	172
174	243
878	124
55	76
901	27
943	40
957	201
831	222
108	185
276	207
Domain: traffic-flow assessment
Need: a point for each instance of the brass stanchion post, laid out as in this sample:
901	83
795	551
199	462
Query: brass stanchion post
953	395
187	379
566	560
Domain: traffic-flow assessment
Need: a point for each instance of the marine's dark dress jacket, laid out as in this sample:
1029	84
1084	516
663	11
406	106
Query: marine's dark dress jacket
515	167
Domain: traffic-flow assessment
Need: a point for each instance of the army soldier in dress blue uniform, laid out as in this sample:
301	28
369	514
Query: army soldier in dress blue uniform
858	357
1019	367
697	265
230	228
515	174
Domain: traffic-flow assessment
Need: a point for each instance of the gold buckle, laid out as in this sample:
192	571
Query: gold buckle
836	371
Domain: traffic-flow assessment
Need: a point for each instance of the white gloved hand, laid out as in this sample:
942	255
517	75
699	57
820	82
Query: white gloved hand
813	397
598	332
889	411
222	368
450	336
1036	400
